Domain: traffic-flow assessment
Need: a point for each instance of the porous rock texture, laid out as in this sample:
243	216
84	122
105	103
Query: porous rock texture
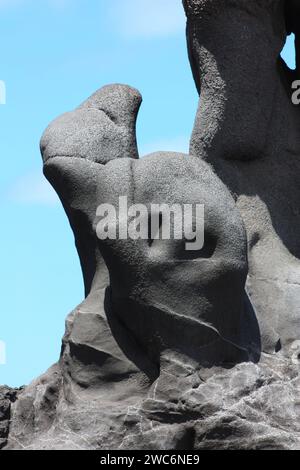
166	352
249	407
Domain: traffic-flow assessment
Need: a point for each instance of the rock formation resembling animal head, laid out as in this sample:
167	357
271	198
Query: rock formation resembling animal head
167	299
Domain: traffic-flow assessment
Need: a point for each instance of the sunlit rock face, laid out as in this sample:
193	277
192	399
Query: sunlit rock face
248	407
234	48
153	309
249	130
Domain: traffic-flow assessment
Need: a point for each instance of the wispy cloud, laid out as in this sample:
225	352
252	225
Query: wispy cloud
148	18
33	188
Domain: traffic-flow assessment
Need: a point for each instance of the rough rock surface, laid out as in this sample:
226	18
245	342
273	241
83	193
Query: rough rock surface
165	352
249	130
249	407
160	296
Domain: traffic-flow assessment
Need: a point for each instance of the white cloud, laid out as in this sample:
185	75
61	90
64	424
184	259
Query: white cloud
177	144
148	18
33	188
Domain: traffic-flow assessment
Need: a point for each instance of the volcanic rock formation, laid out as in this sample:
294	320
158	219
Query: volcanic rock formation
175	348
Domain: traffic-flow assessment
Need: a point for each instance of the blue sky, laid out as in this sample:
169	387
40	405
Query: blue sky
54	54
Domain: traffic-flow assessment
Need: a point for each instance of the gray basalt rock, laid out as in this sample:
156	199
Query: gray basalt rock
249	407
165	352
249	130
7	397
